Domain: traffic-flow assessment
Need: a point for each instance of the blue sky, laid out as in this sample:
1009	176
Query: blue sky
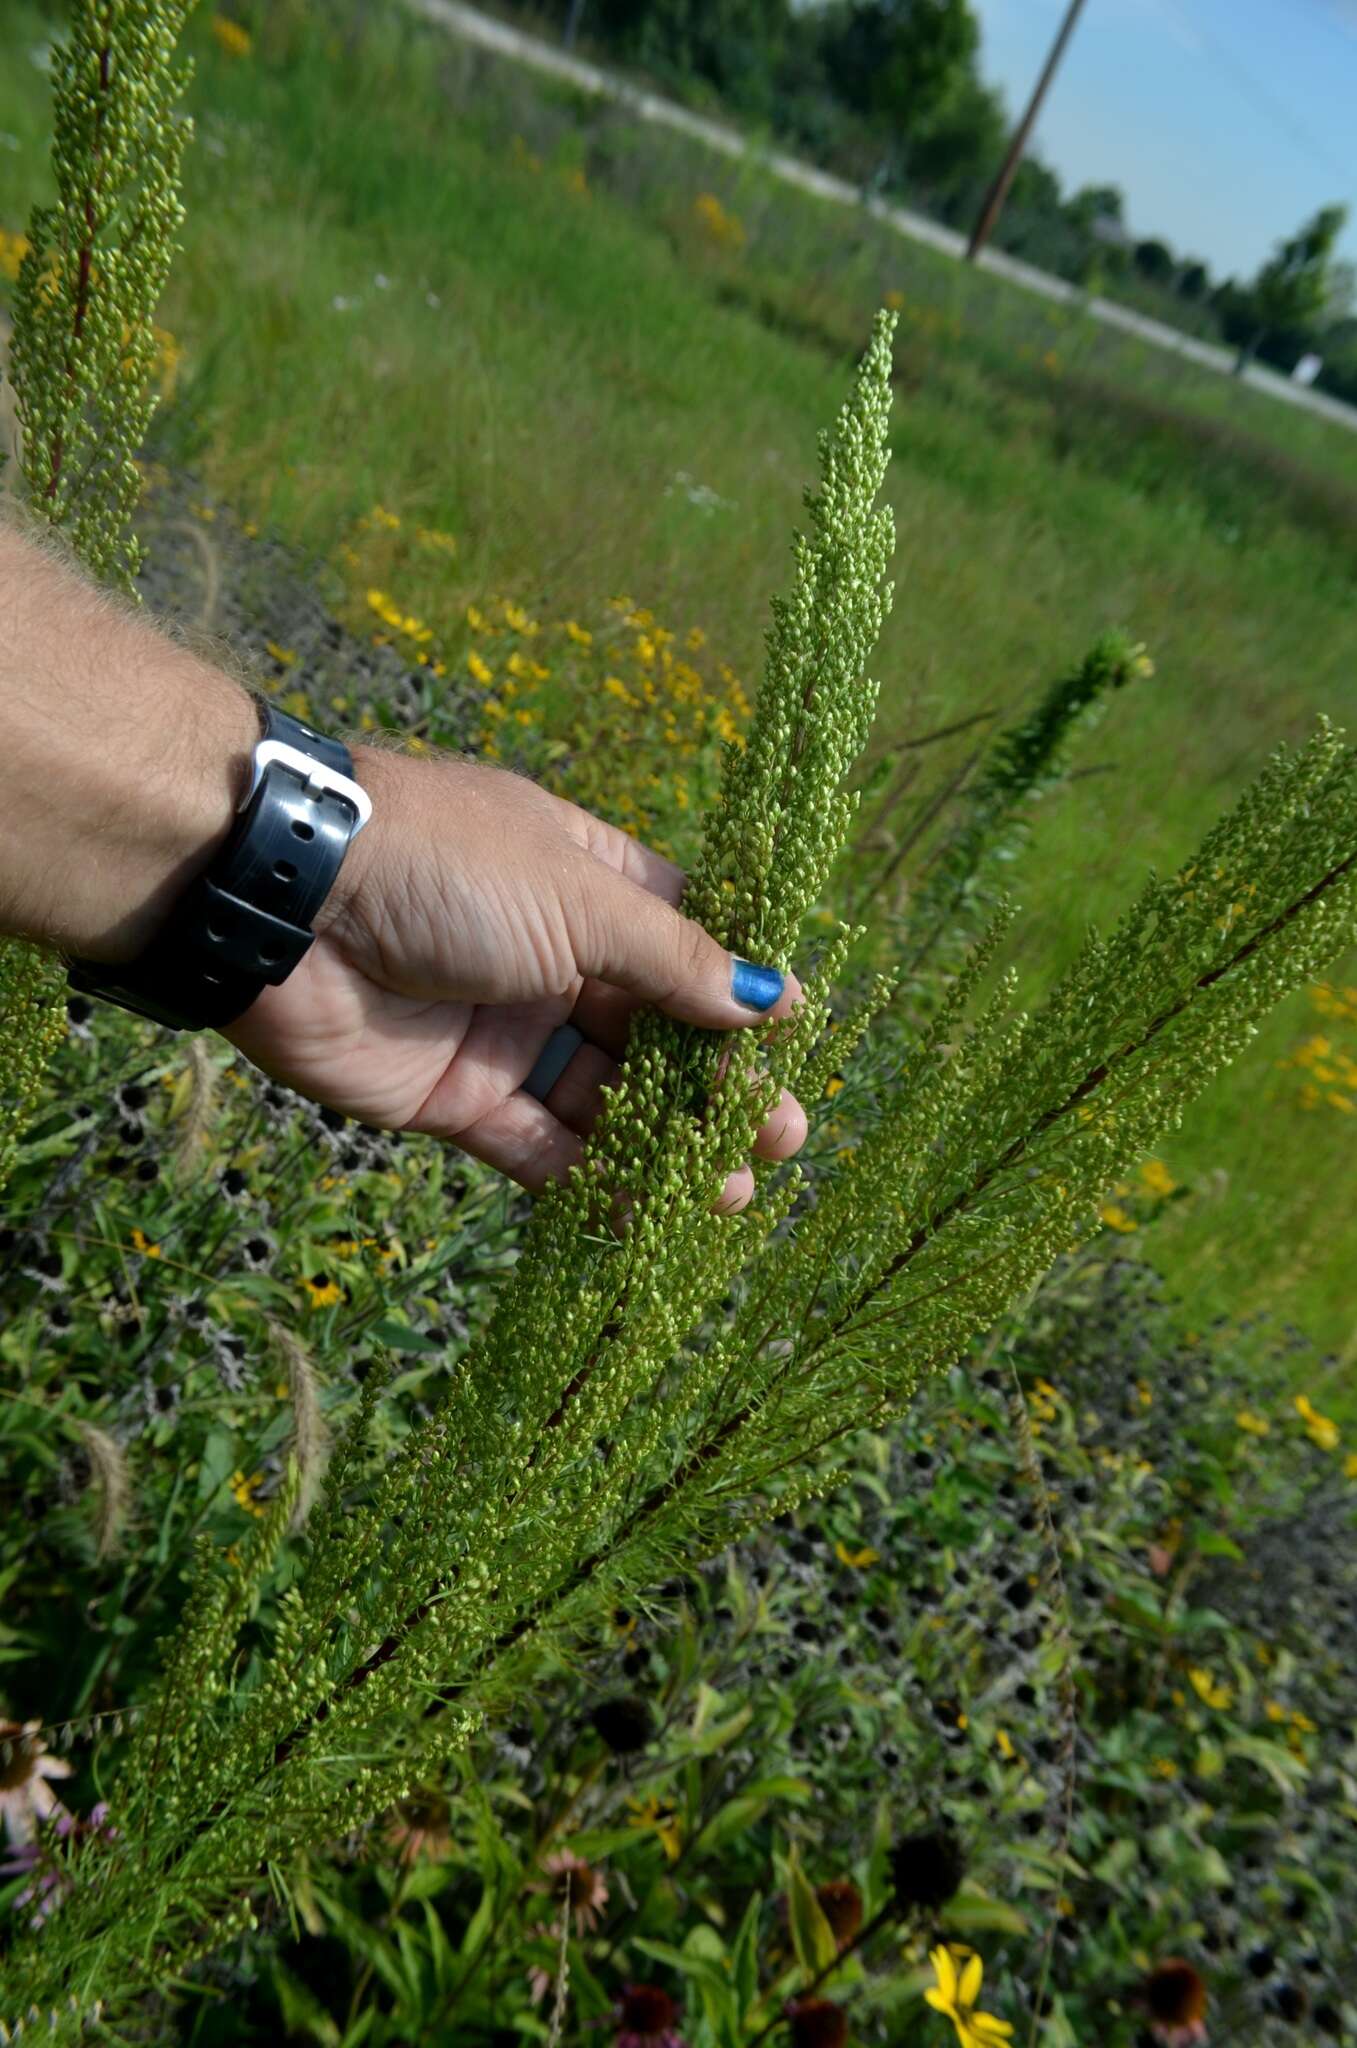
1225	122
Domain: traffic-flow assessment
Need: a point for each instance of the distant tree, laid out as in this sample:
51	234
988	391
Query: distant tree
1035	190
1295	287
1342	297
1093	203
1155	261
898	59
1194	280
956	150
738	47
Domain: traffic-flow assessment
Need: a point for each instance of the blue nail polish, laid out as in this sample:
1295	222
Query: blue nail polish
758	988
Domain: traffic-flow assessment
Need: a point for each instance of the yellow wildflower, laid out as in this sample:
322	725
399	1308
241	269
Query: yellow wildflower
481	672
1207	1689
143	1244
1350	1465
1116	1218
13	249
659	1820
723	227
244	1491
1156	1177
283	655
230	36
833	1084
1320	1429
477	620
581	635
323	1291
1256	1425
1164	1767
959	1972
1004	1744
857	1560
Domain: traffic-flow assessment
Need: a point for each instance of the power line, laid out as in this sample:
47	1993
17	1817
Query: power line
1261	98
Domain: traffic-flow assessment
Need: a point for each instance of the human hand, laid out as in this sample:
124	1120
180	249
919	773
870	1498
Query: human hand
474	915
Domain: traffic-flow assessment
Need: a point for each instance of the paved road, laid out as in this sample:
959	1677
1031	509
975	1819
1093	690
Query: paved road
489	34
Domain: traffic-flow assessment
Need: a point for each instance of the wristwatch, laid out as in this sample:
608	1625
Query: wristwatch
244	924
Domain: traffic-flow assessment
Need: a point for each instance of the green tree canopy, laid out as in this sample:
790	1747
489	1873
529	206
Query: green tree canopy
1295	286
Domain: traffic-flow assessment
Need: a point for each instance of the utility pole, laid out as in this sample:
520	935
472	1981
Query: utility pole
998	191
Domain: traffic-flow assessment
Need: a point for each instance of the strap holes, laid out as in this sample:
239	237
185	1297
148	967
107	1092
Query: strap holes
269	959
302	829
284	871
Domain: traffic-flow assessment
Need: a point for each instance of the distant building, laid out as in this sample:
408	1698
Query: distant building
1106	228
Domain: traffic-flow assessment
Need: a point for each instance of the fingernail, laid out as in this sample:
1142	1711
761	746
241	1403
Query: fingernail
758	988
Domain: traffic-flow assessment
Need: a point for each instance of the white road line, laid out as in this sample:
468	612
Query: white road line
504	41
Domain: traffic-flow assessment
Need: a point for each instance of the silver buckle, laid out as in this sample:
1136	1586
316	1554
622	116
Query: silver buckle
314	774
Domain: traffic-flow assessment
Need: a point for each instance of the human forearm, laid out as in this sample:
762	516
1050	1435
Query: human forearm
122	756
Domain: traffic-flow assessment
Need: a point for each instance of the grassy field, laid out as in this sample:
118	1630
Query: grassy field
416	279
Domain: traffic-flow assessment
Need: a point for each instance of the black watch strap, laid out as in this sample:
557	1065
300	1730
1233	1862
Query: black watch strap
246	921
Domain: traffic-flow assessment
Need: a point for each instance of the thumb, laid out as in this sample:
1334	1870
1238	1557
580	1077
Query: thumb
638	942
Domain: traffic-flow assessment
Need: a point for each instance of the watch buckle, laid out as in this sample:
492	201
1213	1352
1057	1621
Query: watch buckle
316	776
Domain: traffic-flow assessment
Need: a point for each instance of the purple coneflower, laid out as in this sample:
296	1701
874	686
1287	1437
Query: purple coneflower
576	1884
26	1796
420	1826
647	2018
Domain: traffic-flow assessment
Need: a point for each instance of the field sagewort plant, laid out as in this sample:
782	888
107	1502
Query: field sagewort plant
82	359
658	1379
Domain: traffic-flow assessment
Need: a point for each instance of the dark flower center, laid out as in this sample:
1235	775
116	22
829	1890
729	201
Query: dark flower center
645	2009
625	1724
1175	1993
841	1903
926	1868
818	2023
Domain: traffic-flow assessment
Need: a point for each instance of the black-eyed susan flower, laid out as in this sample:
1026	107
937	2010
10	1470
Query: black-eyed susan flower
1174	1998
322	1291
959	1972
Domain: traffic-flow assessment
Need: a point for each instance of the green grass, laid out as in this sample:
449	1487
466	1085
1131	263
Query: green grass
1050	478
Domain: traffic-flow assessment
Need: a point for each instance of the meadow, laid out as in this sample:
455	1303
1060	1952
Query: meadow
594	358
